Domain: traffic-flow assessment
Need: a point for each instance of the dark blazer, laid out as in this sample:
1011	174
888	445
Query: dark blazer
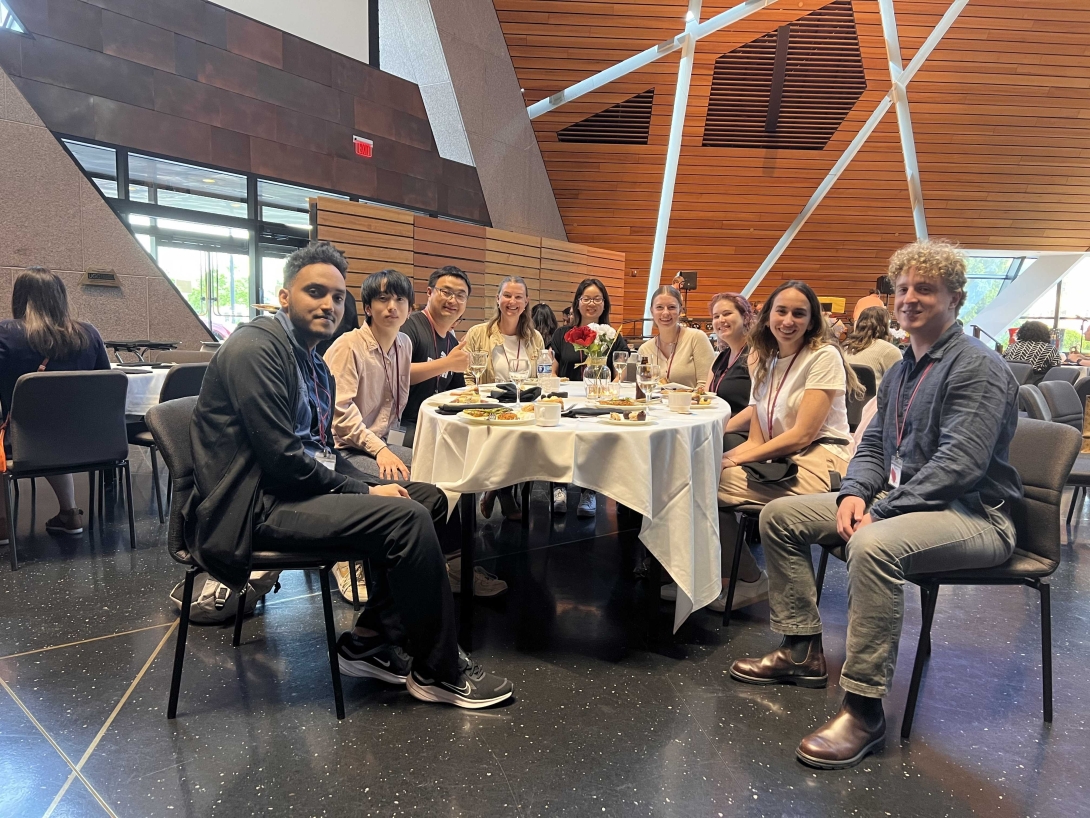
246	453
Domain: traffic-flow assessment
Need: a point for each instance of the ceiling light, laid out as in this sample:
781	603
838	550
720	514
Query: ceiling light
209	181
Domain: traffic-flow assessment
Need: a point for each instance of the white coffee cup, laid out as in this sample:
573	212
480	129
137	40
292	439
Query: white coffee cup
547	414
681	402
549	384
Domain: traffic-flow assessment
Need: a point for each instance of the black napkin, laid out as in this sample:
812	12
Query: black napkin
505	393
587	411
455	408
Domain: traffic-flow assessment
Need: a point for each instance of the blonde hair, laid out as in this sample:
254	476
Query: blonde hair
525	327
937	259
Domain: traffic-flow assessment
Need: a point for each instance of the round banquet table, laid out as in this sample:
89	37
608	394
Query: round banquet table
668	472
145	384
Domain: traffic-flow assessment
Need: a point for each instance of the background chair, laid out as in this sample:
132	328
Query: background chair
1063	402
1037	548
870	385
1033	403
1063	373
182	381
1021	371
1082	389
169	426
65	422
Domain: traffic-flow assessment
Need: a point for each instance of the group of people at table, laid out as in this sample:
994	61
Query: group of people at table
292	446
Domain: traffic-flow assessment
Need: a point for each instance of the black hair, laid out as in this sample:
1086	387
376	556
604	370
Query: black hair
317	252
449	270
390	282
1034	331
577	316
39	300
544	320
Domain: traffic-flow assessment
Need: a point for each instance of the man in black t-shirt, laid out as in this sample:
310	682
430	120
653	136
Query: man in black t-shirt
438	360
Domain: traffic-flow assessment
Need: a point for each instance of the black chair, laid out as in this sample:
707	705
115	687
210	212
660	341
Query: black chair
1063	402
1082	389
1080	479
1022	372
1033	403
1070	374
855	405
65	422
182	381
1036	554
169	426
751	514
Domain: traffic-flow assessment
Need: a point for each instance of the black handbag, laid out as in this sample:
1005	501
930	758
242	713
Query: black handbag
779	470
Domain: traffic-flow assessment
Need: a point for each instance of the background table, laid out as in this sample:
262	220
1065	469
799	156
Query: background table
145	384
668	472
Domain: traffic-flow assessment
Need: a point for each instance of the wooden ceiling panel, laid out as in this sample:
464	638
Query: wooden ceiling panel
1001	117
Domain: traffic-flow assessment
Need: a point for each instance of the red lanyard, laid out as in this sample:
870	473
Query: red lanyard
395	385
730	365
670	363
436	333
318	406
901	421
770	405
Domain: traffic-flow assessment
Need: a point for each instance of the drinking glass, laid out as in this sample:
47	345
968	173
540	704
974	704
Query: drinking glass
646	375
519	371
478	362
620	361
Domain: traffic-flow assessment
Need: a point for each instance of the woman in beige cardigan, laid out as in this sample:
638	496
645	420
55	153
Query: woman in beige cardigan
684	354
507	335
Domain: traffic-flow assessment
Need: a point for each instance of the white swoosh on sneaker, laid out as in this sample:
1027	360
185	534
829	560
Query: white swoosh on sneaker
465	690
384	664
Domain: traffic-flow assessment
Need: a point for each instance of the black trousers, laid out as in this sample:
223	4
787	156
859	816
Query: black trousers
409	597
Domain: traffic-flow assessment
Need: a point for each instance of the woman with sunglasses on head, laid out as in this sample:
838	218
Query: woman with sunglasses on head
732	318
507	336
684	354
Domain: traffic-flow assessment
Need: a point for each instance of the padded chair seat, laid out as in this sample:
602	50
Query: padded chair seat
142	439
1080	472
1021	564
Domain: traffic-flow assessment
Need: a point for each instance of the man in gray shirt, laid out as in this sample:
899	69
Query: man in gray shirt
929	489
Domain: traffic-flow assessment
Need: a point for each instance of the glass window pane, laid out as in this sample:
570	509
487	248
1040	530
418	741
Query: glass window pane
107	186
979	293
287	204
8	20
97	162
272	278
138	193
984	266
289	217
191	187
1075	292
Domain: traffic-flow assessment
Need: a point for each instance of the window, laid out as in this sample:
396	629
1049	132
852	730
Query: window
100	164
287	204
987	276
8	20
173	184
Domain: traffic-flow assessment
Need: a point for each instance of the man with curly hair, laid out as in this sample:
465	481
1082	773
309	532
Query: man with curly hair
929	489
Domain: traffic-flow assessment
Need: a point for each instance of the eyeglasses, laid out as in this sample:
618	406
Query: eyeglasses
585	300
458	295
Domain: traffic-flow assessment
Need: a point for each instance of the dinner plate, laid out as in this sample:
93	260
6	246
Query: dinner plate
696	407
629	406
612	422
492	421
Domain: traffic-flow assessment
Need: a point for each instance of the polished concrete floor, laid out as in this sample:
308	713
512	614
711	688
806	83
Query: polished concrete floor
614	716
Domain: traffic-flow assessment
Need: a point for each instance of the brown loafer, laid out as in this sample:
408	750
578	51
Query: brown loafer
778	668
842	742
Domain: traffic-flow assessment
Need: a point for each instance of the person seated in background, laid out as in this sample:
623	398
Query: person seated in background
43	337
732	318
684	354
546	324
929	489
836	328
868	344
349	322
266	476
1033	345
797	410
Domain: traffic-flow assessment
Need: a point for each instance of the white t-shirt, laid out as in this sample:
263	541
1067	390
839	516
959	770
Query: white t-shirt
820	369
510	350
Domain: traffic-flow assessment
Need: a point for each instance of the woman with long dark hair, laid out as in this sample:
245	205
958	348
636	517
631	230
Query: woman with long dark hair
870	344
43	337
589	306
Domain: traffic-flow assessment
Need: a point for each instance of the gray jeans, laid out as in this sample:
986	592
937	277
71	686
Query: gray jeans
967	534
368	465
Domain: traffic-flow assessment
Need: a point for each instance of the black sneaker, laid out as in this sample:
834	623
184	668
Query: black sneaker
387	663
476	688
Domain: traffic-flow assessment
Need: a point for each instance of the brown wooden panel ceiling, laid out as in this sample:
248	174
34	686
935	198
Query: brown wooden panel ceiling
1001	113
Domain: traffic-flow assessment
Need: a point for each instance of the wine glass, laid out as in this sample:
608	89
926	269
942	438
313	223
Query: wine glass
646	375
478	362
620	362
519	371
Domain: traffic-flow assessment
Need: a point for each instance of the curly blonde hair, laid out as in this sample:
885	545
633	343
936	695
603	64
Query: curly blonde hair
936	259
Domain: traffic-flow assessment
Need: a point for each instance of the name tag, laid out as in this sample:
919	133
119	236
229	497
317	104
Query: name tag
396	435
327	459
895	467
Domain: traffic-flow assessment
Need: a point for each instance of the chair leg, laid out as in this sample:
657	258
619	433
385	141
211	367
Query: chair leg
355	587
925	597
1046	647
1074	501
331	639
930	598
101	496
526	488
179	643
128	502
6	483
468	514
823	563
239	615
33	491
739	543
90	501
155	482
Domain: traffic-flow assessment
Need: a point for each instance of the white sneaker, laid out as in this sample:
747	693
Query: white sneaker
560	501
745	593
484	583
588	504
343	575
668	592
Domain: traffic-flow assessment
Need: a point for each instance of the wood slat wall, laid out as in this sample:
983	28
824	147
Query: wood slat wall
374	237
1001	115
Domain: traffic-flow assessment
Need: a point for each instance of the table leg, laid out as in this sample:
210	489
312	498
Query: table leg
468	510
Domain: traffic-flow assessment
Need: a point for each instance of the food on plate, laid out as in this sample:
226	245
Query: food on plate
637	417
480	413
618	402
507	416
551	400
702	399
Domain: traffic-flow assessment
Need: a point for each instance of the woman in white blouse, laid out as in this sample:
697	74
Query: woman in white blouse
684	354
797	409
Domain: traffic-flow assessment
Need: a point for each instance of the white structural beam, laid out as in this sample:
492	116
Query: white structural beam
1033	282
910	71
904	116
691	34
673	154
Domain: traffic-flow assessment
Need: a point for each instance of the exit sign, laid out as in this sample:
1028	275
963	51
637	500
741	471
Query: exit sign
364	147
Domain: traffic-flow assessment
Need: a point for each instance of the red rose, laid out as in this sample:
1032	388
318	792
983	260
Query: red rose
580	336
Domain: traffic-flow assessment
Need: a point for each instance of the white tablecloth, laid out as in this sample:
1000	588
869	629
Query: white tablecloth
144	388
668	472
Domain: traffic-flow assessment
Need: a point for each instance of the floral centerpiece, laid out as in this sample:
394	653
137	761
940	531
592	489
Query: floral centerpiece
593	339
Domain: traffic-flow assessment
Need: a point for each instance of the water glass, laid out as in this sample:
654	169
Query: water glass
519	371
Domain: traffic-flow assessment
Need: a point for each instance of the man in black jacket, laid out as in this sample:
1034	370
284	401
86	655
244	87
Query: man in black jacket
266	476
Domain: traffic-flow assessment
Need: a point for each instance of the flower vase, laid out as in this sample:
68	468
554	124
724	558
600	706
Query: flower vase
596	376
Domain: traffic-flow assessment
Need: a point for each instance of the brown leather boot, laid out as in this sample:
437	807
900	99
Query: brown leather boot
780	668
858	730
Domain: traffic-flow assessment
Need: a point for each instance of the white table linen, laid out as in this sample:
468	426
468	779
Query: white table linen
144	388
668	472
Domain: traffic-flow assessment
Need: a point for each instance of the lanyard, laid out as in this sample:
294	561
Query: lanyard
395	385
770	405
446	376
730	365
670	363
518	353
318	401
901	421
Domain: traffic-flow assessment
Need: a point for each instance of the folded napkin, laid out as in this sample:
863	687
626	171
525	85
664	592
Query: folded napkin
587	411
455	408
505	393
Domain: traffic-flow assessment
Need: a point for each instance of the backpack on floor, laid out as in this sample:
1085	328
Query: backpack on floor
215	603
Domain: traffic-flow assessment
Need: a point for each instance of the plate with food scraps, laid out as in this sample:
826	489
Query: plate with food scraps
627	419
702	402
623	403
497	417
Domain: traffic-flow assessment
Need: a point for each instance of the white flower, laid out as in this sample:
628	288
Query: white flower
605	331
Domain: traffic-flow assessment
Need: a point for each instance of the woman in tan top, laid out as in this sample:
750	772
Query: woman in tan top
868	344
684	354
